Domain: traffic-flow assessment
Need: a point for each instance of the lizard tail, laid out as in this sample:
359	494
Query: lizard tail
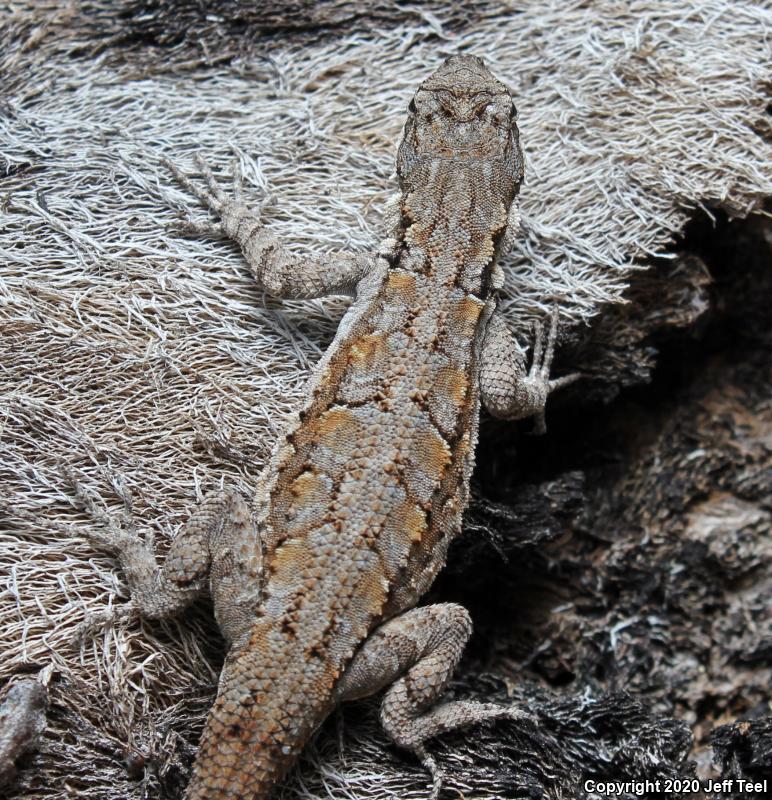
270	701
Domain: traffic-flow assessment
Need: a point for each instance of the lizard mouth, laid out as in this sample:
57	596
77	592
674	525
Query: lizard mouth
462	152
449	145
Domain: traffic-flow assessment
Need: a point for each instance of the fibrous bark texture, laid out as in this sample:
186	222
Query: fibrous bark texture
617	570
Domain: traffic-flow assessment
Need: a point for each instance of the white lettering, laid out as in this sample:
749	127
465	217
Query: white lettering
638	788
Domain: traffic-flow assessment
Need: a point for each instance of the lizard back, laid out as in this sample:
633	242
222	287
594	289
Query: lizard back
368	487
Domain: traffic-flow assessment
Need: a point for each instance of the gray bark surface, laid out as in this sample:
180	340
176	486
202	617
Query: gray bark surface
617	569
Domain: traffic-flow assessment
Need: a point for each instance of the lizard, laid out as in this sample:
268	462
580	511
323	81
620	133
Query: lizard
22	721
315	582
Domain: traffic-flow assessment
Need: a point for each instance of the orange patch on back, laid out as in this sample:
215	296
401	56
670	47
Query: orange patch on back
419	234
430	453
371	596
289	561
464	316
405	526
402	283
413	521
452	385
308	486
333	422
368	350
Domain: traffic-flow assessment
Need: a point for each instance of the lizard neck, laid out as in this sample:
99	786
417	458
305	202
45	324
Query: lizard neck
453	218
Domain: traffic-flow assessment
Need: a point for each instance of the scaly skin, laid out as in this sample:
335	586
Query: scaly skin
365	492
371	483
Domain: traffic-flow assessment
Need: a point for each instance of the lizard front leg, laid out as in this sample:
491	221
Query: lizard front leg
279	271
417	653
219	542
508	389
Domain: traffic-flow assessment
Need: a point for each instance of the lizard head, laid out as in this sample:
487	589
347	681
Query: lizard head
462	113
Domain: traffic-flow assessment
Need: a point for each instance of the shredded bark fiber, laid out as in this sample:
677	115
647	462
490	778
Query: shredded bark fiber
147	366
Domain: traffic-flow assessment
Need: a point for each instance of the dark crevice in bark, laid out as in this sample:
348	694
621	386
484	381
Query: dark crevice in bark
628	550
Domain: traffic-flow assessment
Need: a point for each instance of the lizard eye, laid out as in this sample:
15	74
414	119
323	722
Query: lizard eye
513	112
411	105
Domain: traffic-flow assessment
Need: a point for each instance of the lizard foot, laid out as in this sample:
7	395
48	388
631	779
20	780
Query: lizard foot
537	382
110	536
236	220
415	655
452	716
94	624
430	764
212	196
508	389
156	592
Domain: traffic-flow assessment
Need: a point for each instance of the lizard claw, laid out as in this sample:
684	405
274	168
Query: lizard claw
541	363
112	537
212	196
431	766
542	356
187	225
94	624
235	219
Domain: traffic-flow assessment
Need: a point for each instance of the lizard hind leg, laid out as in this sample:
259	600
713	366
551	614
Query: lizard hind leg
236	571
213	543
417	653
